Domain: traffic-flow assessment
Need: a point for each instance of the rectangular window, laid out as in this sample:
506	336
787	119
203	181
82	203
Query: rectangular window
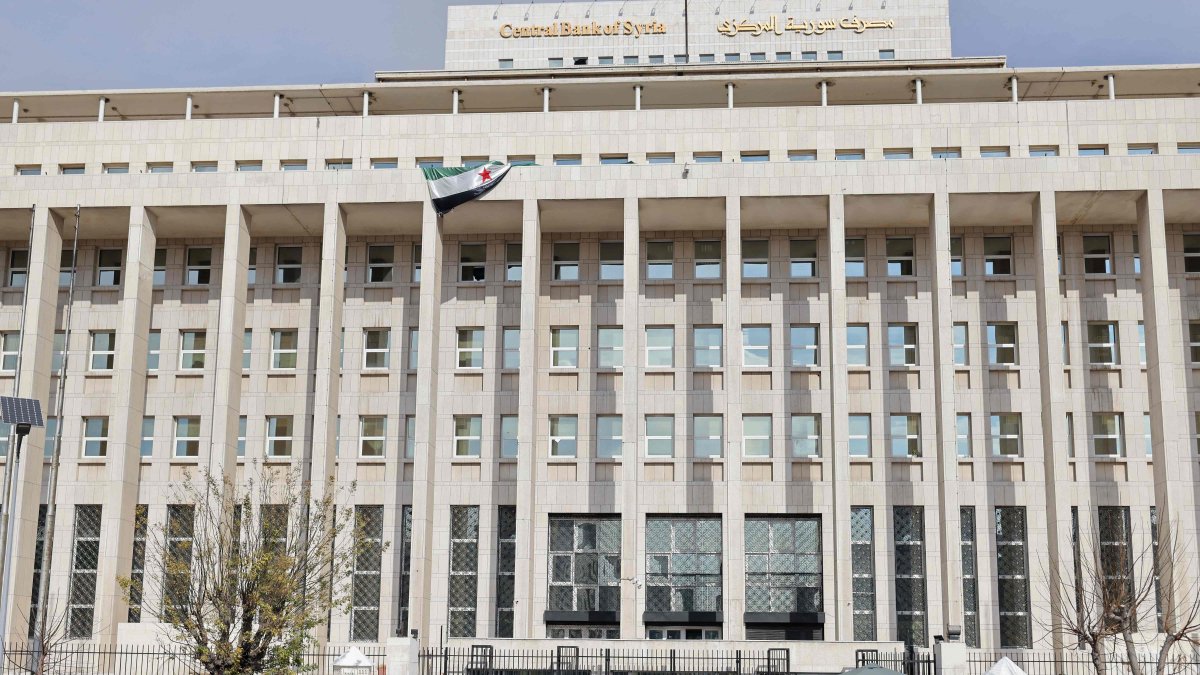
897	153
564	435
962	434
614	159
279	436
10	344
674	544
584	564
630	60
247	166
470	348
708	260
1108	437
247	346
288	261
564	347
859	435
160	267
506	569
995	152
339	164
468	435
1043	151
1191	254
959	338
756	258
756	346
1012	574
104	350
1147	435
706	346
946	153
472	262
756	435
1102	344
902	344
805	344
153	349
1066	344
1137	255
416	263
137	568
858	336
252	266
1097	254
783	56
181	524
808	56
410	436
505	64
508	436
160	167
1093	150
116	169
660	435
95	437
376	348
905	435
366	575
803	258
802	155
414	339
660	260
887	54
372	435
1002	344
856	257
660	158
85	563
404	549
612	265
18	267
108	267
909	539
806	435
783	564
997	256
750	156
732	57
660	347
511	346
66	268
568	160
199	266
512	262
192	349
241	438
380	264
610	351
566	260
284	349
146	448
708	436
970	575
1070	435
862	568
1005	431
833	56
463	598
849	155
187	436
609	436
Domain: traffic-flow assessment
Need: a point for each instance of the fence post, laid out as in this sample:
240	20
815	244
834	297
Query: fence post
607	663
738	655
672	662
950	658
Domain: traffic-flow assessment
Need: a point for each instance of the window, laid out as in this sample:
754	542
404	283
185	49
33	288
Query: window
191	349
564	347
160	267
857	344
470	347
1143	149
706	346
970	576
1006	435
416	264
946	153
108	267
568	160
996	152
104	350
472	259
512	261
962	434
116	169
1141	328
905	432
511	347
566	261
85	557
902	345
849	155
614	159
808	56
783	564
806	435
610	343
1070	435
247	345
1189	148
462	599
1102	344
708	260
95	436
18	267
509	442
679	543
805	345
660	347
833	56
1097	254
372	434
997	252
755	156
564	433
856	258
756	435
612	264
204	167
608	436
909	545
605	60
859	436
505	64
756	346
756	259
802	155
288	264
660	158
1002	344
376	347
1108	438
380	261
660	435
732	57
468	431
414	339
153	349
783	56
10	344
1137	256
51	445
284	349
584	564
199	266
248	166
630	60
241	438
758	56
897	153
279	435
1147	435
521	160
803	258
959	338
1012	574
1043	151
707	436
1066	343
900	252
862	568
706	157
555	62
1093	150
252	266
160	167
365	577
187	436
410	436
146	448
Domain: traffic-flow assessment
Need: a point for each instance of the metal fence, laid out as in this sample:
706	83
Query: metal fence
107	659
910	662
1076	662
483	660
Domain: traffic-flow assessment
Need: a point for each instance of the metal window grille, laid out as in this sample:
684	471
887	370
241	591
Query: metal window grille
85	556
405	563
1158	599
970	575
506	569
180	530
364	594
137	568
1012	572
464	570
783	564
909	534
585	564
862	567
1077	562
683	564
35	595
1116	558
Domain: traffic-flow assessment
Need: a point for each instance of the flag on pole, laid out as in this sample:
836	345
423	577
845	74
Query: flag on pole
456	185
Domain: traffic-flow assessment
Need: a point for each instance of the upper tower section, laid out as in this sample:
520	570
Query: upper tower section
648	32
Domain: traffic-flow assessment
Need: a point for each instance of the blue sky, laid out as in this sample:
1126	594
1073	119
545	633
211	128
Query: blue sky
88	44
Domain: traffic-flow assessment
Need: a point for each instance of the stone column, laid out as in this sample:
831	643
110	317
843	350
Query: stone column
528	461
733	525
124	448
633	584
1174	465
840	624
944	414
231	326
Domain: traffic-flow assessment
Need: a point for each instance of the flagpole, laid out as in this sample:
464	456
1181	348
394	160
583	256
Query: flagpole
687	50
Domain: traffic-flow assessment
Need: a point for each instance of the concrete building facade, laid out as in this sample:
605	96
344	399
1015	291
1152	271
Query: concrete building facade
846	352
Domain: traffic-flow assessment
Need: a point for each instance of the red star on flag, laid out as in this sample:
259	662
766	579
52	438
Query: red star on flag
485	175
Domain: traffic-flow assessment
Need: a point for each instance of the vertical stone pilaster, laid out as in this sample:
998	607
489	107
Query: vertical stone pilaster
633	584
231	325
734	581
525	618
840	597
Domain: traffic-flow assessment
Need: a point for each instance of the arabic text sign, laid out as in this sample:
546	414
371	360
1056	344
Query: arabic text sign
779	26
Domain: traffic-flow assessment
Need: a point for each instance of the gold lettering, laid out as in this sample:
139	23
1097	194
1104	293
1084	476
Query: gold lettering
506	31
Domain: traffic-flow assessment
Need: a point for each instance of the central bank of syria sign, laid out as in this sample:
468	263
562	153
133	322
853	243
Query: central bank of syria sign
633	29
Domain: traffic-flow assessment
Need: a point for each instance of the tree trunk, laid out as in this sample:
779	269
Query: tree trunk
1164	655
1098	659
1135	667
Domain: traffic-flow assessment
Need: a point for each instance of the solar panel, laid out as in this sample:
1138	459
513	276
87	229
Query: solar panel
21	411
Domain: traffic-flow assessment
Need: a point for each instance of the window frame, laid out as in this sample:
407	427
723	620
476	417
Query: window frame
758	352
658	438
564	356
274	439
812	348
191	357
99	442
998	263
753	437
473	348
279	352
708	438
651	348
381	263
803	266
1004	438
706	347
910	351
811	422
472	271
911	438
565	268
372	445
468	437
186	447
563	431
376	351
1105	257
109	355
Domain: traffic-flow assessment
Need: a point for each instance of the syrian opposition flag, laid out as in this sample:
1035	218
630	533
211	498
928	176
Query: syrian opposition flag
453	186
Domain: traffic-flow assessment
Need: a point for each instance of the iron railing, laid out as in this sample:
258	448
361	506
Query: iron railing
1076	662
565	660
909	662
75	658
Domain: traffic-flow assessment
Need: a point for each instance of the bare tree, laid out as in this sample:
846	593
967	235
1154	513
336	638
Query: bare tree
1180	602
46	649
248	571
